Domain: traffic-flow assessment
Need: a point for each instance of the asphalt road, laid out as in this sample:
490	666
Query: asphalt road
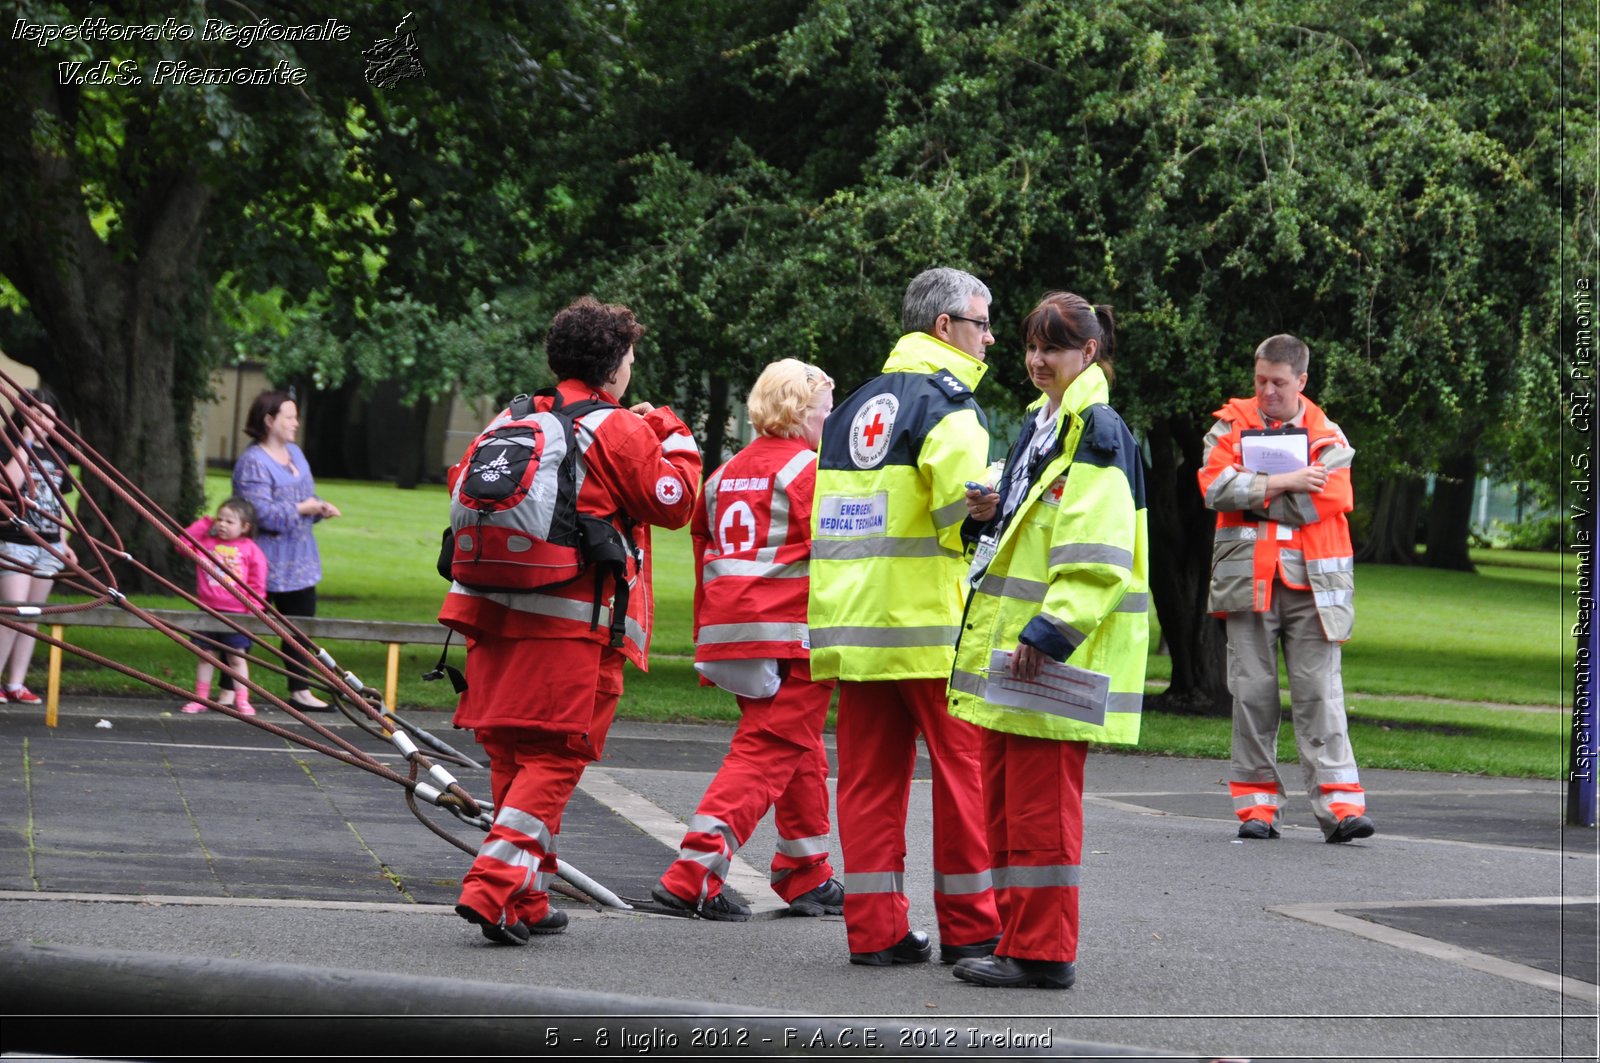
170	867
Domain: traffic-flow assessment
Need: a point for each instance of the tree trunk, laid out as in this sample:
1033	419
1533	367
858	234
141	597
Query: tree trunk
1180	573
1450	514
716	423
1393	537
116	324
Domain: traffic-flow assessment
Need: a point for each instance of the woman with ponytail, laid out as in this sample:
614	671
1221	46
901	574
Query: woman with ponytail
1052	651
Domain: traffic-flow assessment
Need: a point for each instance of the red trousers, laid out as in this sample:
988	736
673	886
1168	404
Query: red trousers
1033	791
878	726
533	772
776	760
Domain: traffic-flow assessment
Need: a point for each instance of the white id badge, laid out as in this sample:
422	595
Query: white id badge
980	560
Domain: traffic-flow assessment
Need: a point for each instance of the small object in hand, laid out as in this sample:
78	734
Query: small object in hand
973	485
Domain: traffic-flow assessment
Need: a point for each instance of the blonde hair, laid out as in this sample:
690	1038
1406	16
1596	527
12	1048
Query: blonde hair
782	394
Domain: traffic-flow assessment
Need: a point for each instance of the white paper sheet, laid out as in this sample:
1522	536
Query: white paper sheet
1275	453
1059	689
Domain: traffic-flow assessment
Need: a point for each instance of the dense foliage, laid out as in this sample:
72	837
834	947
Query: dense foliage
760	180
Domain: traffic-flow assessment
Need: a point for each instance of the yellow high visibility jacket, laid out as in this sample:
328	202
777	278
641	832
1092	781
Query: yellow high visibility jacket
1069	577
888	569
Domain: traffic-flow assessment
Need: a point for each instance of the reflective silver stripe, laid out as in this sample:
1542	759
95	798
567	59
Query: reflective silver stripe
778	512
882	546
956	885
887	637
699	824
1335	597
795	466
739	566
679	441
1319	565
1338	775
780	874
1246	568
550	605
1293	563
1022	590
1243	532
521	822
968	683
1135	602
1337	457
717	864
797	847
1132	704
874	882
1244	801
1231	490
1091	554
1304	509
507	853
776	631
1219	431
954	513
1030	877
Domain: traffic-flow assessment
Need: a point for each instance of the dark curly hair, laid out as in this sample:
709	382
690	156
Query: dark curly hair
588	340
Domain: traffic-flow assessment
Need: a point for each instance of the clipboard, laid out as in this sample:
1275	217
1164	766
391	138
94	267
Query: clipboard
1274	450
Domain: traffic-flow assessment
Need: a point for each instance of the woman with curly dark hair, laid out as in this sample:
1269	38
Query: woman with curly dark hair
543	675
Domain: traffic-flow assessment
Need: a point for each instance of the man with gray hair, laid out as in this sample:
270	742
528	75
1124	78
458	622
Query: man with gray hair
887	590
1277	473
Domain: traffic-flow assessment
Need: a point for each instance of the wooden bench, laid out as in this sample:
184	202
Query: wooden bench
317	628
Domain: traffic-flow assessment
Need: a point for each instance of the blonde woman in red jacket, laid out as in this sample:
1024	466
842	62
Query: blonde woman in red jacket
752	539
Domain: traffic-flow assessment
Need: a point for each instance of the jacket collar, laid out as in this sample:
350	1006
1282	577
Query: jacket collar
918	352
1090	387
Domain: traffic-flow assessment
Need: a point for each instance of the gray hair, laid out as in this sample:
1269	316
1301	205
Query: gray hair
936	291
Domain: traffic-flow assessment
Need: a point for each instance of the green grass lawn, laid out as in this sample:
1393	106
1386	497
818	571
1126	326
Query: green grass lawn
1499	636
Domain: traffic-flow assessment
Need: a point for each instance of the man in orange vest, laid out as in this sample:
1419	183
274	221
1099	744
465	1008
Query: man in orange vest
1277	472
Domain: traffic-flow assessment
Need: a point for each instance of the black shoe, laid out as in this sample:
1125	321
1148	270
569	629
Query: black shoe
949	954
1351	827
913	948
1007	972
554	922
499	933
826	899
718	909
1258	829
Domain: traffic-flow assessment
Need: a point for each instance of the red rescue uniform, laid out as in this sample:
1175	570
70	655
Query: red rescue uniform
752	538
542	679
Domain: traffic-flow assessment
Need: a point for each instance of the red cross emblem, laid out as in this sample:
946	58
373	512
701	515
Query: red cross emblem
737	529
873	430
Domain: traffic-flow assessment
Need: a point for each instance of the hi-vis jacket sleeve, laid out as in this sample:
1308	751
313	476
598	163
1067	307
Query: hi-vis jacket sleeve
954	451
656	468
1093	543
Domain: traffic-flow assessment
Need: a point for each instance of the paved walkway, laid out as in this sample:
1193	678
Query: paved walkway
219	864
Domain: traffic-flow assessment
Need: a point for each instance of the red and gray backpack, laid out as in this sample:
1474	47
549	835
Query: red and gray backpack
514	520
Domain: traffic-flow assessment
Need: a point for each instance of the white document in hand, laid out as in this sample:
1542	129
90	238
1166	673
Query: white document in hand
1059	689
1273	451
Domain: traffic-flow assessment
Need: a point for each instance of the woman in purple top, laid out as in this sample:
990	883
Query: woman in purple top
274	476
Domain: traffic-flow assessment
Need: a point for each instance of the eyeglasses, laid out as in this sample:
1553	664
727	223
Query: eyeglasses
981	322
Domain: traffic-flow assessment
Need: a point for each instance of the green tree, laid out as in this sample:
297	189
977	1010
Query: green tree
125	204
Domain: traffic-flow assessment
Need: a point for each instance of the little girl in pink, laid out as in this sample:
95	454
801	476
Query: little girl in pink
226	541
